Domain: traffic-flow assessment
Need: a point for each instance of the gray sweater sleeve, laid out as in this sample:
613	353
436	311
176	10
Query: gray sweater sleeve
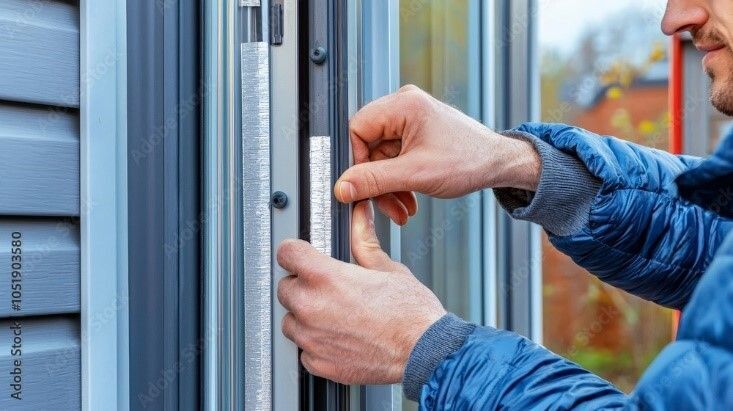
442	339
564	195
561	205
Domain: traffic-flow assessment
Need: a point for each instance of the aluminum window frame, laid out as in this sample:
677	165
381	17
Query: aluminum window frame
375	30
324	101
519	263
506	96
285	88
222	235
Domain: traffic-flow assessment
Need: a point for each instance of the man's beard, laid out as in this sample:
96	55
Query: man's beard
721	96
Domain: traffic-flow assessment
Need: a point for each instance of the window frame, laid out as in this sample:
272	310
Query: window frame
103	208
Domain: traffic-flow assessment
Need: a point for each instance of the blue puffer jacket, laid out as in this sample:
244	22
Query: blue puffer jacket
659	228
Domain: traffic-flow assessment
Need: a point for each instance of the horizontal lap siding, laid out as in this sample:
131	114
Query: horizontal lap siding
39	62
39	199
39	160
50	363
48	267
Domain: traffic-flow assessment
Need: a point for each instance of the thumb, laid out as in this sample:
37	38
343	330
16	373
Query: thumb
372	179
364	242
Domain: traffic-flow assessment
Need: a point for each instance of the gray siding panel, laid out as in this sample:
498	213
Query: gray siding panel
39	202
39	62
49	267
39	161
50	363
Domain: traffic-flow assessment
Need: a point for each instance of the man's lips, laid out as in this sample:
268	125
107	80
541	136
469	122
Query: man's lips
710	53
709	47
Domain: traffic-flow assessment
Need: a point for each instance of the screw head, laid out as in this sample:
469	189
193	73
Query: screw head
318	55
279	199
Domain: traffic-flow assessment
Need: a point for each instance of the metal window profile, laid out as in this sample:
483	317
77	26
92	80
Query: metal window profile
324	104
490	208
256	215
238	292
378	56
222	237
164	202
285	63
377	30
519	254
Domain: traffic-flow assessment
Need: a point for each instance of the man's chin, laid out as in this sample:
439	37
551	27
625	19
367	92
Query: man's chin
722	96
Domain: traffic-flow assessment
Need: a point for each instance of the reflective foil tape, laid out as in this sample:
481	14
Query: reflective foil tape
256	218
320	191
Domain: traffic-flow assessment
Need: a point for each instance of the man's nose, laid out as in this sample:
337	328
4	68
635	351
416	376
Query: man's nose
684	15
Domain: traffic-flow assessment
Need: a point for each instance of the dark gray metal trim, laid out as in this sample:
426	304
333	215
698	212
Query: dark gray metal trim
164	203
516	102
325	103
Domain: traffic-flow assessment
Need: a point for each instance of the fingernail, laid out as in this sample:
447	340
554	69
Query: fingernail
347	191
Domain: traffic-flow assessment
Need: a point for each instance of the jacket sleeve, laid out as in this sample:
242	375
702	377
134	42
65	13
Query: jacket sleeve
640	235
496	369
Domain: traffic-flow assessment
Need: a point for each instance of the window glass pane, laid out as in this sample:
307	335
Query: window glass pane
442	244
604	68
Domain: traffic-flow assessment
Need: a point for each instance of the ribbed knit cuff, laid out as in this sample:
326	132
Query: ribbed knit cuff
442	339
566	190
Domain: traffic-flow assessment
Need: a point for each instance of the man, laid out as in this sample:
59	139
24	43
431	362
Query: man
653	224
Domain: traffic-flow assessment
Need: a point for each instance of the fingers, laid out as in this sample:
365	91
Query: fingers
372	179
385	150
297	332
378	120
390	117
392	207
381	167
319	367
300	259
309	363
409	200
399	207
291	328
364	242
287	287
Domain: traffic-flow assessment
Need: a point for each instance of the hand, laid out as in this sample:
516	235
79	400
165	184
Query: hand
355	325
410	142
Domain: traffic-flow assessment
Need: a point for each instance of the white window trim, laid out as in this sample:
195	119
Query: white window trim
103	209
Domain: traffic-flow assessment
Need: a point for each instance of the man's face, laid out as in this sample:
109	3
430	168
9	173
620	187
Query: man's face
711	24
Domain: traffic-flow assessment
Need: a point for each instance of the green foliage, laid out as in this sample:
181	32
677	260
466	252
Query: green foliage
602	361
620	368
